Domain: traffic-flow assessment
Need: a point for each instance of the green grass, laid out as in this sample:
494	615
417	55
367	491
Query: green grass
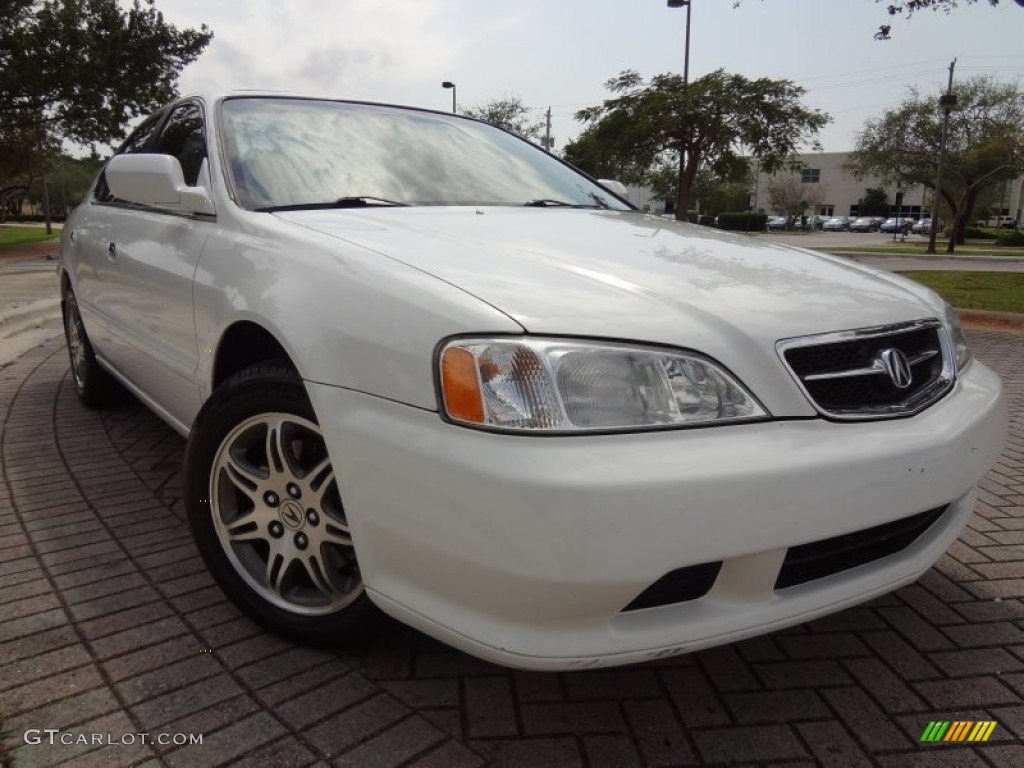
22	235
995	291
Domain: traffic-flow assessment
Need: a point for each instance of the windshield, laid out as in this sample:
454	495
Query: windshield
297	152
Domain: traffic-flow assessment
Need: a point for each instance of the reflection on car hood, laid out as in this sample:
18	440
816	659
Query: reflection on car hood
627	275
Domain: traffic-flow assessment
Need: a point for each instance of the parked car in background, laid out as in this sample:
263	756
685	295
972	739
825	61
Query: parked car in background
895	224
810	223
777	223
864	224
499	403
836	224
922	227
998	221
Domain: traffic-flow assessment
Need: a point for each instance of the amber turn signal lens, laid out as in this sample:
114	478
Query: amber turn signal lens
461	386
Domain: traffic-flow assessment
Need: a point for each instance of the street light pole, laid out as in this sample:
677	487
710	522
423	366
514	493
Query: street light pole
450	84
686	52
947	101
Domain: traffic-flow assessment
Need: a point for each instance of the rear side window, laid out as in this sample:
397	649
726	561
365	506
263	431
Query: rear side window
184	138
134	144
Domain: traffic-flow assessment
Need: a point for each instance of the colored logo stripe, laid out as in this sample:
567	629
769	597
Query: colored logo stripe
935	730
958	730
982	731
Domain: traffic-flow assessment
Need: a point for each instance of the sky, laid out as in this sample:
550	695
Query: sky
559	53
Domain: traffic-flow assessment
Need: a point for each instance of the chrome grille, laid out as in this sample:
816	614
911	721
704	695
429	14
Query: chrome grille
871	373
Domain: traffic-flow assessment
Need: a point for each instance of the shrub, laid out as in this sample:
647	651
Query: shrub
971	233
30	218
1011	239
695	218
742	221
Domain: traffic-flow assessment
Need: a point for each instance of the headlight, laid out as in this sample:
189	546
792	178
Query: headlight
548	385
956	335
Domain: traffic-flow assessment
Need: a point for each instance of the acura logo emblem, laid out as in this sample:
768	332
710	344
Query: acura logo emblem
897	366
291	515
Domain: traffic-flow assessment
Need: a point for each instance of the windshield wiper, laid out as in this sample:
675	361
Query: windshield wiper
360	201
354	201
545	202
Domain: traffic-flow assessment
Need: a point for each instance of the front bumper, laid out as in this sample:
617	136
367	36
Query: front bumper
524	550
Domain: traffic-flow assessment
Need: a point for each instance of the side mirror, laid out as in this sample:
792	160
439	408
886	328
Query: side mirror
614	186
156	180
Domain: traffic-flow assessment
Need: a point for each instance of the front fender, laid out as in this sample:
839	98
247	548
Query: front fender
347	316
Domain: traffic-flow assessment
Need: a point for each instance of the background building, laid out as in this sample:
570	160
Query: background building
831	190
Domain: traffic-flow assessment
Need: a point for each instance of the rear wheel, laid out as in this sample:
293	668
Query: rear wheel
266	510
94	386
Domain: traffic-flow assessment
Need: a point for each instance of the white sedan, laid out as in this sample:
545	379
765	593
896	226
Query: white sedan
424	366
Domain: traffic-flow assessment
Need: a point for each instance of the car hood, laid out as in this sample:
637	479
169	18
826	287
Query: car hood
627	275
632	277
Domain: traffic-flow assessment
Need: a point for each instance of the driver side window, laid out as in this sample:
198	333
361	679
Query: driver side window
136	143
184	138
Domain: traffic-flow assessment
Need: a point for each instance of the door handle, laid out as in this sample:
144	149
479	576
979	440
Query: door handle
112	251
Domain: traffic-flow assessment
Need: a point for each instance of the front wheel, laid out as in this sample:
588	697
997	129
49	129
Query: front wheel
266	511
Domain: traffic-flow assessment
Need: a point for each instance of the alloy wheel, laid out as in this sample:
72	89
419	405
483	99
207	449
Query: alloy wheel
279	517
76	344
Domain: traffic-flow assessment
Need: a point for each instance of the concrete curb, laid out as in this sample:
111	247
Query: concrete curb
27	326
28	315
993	321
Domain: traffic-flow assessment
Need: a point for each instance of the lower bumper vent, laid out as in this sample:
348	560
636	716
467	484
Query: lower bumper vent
819	559
678	586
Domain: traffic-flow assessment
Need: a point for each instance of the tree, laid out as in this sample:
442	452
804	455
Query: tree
909	7
788	195
67	181
874	203
706	124
663	181
509	113
713	193
82	69
984	147
596	152
721	195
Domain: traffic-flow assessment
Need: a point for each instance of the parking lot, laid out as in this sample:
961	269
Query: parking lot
109	624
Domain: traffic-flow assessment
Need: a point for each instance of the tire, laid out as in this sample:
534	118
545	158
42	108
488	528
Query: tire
94	386
266	513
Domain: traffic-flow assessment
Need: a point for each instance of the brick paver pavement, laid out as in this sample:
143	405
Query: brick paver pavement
109	624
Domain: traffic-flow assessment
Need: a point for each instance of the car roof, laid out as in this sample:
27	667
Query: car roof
213	97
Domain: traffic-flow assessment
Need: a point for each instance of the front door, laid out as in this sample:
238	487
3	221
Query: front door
149	258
